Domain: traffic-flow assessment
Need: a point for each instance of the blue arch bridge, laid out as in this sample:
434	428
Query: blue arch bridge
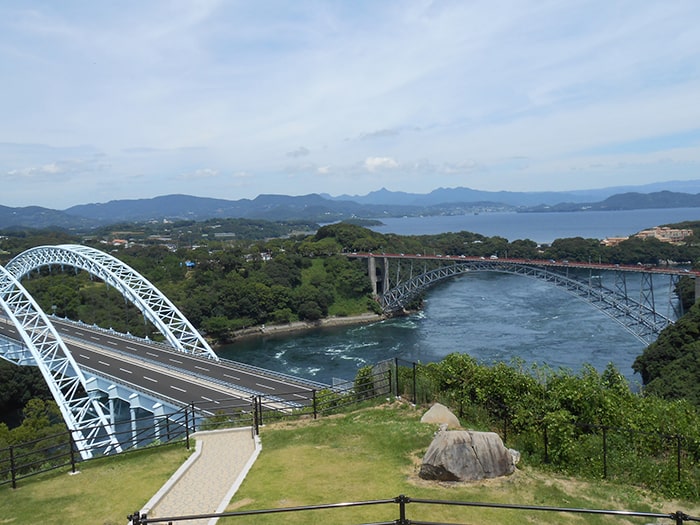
102	380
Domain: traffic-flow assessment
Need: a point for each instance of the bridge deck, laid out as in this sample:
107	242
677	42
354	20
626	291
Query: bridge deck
173	375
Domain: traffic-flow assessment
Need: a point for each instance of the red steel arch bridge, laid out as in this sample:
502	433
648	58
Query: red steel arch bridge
397	279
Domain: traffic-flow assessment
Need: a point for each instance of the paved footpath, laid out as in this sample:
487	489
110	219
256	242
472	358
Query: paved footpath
207	481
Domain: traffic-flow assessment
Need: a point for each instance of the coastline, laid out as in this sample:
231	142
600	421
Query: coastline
301	326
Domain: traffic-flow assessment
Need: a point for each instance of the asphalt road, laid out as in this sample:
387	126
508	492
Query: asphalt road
172	374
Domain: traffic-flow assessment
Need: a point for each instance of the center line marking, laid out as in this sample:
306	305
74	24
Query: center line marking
125	370
232	377
152	354
150	379
265	386
177	388
175	360
103	363
202	368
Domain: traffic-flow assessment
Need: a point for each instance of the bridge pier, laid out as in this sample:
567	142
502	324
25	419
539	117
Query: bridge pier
372	270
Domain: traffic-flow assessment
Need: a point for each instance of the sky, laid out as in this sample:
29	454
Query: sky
232	99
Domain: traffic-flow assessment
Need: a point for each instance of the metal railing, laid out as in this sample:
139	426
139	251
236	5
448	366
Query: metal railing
20	461
402	503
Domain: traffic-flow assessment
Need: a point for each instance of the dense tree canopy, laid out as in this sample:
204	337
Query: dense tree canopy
248	280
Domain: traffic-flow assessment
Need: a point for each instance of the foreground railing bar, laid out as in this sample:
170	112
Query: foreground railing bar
628	513
679	517
137	519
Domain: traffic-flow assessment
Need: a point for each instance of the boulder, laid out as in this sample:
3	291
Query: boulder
440	414
464	455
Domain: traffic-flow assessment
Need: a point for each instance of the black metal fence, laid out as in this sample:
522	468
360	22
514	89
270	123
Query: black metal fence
402	504
590	449
61	450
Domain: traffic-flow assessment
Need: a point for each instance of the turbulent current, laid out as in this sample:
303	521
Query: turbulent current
493	317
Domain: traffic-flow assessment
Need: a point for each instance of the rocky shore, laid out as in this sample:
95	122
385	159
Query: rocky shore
300	326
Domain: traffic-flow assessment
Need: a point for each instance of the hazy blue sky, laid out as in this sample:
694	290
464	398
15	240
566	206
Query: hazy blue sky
104	100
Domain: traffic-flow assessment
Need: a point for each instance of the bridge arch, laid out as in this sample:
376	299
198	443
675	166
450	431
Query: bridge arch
84	414
154	306
639	318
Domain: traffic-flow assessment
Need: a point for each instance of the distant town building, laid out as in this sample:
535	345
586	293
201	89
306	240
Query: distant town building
665	234
661	233
613	241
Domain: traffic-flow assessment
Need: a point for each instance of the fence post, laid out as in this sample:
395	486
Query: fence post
72	452
414	384
605	452
546	445
12	467
187	426
402	500
254	400
396	367
260	412
313	397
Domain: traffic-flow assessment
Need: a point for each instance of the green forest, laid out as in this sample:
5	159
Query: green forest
246	279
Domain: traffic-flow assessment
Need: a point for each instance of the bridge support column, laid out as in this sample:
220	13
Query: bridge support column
372	270
113	394
158	416
134	405
385	277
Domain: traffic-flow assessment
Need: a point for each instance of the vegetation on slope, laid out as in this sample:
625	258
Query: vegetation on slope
375	454
244	280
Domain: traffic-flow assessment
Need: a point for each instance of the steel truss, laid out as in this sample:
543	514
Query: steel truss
84	415
154	306
640	318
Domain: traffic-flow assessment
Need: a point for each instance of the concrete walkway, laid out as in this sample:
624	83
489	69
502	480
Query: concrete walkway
207	481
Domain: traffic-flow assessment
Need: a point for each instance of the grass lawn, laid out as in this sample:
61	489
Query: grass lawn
374	454
368	454
103	493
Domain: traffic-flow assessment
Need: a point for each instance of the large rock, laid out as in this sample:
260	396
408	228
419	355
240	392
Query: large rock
464	455
441	415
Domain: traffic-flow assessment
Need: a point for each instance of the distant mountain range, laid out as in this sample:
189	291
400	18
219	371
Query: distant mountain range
376	205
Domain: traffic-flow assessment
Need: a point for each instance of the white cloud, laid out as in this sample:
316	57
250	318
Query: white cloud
202	173
449	92
380	163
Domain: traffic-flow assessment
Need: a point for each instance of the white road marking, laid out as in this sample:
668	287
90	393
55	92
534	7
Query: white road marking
94	338
265	386
233	377
103	363
131	348
125	370
151	354
84	356
175	360
150	379
202	368
177	388
112	342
